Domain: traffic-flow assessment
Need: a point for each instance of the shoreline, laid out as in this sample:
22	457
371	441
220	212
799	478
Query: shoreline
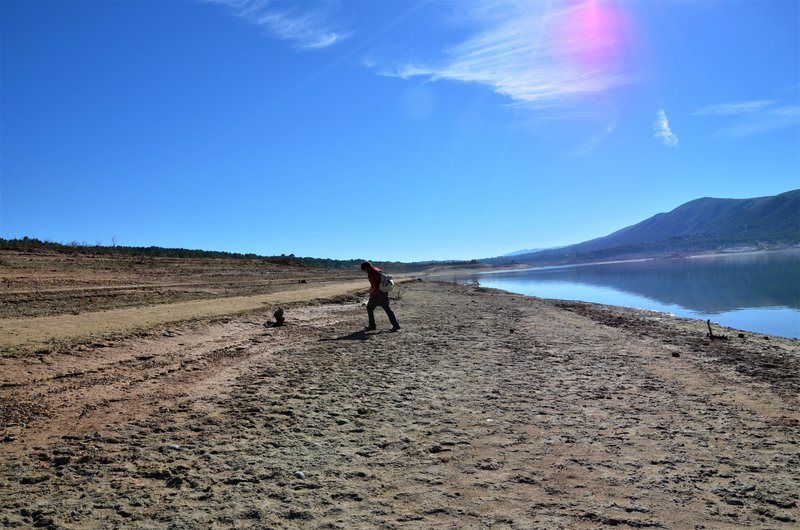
699	319
748	307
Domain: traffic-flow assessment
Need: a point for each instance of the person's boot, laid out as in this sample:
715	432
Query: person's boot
396	327
371	327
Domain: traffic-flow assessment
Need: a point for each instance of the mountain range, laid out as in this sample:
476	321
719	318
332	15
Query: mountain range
701	225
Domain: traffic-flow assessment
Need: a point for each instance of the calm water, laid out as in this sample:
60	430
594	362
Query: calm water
756	292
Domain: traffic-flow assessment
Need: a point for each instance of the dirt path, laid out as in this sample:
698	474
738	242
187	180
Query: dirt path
488	410
30	333
132	286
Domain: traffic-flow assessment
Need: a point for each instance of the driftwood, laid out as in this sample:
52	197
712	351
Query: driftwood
711	333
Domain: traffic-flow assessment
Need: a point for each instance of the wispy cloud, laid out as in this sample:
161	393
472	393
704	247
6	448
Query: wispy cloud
591	143
747	118
308	26
738	108
534	53
663	131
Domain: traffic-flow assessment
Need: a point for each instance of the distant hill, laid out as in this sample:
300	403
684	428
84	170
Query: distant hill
702	225
525	251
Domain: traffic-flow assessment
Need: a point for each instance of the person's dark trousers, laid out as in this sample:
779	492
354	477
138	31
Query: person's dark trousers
380	300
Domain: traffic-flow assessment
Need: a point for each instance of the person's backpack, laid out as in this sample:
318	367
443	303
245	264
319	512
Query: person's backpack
386	284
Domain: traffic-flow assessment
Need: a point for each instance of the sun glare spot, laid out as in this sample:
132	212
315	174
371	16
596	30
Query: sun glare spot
593	34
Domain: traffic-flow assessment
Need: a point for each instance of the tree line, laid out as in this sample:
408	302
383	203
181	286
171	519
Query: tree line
28	244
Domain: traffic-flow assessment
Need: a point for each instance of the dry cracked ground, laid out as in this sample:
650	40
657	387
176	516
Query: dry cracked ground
487	410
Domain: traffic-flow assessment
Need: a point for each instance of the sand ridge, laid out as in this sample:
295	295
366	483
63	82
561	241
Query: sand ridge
39	331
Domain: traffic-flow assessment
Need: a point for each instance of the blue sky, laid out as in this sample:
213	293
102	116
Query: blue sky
387	130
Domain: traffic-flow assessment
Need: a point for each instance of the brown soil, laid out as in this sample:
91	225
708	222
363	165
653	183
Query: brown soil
44	283
44	333
487	410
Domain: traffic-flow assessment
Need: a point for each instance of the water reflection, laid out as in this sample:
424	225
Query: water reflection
720	285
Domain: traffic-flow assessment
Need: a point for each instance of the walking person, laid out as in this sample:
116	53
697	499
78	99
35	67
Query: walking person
377	298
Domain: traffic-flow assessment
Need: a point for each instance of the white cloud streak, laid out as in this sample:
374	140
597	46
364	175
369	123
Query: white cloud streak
735	109
594	140
526	51
747	118
663	131
306	29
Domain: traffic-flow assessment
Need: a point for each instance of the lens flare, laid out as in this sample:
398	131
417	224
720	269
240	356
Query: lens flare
594	33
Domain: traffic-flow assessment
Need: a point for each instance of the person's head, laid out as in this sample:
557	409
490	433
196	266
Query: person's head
366	265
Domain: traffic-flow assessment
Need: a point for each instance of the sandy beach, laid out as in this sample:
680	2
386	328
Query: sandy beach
487	410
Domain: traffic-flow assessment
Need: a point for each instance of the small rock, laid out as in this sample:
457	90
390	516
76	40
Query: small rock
300	475
43	522
33	480
299	515
174	446
676	354
347	497
342	421
10	437
786	504
61	460
174	482
741	335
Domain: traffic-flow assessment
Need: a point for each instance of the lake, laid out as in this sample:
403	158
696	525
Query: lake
757	292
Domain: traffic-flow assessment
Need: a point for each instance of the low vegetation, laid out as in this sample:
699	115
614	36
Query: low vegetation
28	244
